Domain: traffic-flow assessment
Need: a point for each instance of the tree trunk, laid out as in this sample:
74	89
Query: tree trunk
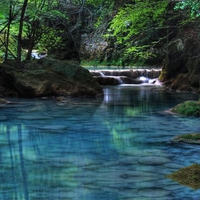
8	31
30	49
32	38
19	51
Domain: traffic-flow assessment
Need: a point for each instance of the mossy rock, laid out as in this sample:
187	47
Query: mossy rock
188	108
188	176
192	138
49	77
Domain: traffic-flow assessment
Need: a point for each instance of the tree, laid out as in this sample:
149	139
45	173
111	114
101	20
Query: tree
8	15
35	28
136	27
192	6
21	22
10	18
39	19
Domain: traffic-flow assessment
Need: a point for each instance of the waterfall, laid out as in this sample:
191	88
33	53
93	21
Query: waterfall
130	76
101	73
144	79
120	80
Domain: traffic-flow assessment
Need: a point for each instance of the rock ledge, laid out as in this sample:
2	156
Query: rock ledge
47	77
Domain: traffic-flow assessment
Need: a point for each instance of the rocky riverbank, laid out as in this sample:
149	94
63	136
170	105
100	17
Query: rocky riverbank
180	69
47	77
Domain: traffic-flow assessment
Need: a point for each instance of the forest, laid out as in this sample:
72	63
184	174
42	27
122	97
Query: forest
134	28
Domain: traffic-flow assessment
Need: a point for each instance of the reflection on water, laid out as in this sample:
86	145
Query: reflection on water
115	149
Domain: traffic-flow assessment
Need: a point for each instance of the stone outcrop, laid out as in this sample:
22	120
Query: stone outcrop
187	176
188	108
47	77
181	66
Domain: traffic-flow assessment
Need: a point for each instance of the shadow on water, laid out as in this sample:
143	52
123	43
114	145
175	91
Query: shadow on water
115	149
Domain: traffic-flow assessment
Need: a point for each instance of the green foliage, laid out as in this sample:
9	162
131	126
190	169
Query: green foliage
136	25
188	108
102	9
191	136
140	53
38	13
51	40
4	14
86	63
41	10
112	64
40	21
12	47
192	6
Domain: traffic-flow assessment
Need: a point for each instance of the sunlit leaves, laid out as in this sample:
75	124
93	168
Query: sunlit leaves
192	5
135	18
134	23
39	16
98	3
51	40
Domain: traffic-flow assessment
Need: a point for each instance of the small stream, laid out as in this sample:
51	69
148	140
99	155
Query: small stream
116	148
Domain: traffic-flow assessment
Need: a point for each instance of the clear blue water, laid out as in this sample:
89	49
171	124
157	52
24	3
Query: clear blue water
117	148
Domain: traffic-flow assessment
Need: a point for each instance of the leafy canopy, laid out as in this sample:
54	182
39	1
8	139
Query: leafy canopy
135	25
40	23
193	6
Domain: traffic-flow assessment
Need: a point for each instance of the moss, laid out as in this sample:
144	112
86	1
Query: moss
188	108
49	77
163	75
188	176
190	136
37	72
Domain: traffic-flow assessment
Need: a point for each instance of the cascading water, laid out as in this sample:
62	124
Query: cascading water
101	74
118	77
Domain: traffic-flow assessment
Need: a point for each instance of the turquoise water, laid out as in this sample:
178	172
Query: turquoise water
116	148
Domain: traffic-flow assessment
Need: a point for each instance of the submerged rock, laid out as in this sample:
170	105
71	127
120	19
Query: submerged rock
48	77
191	138
154	193
188	176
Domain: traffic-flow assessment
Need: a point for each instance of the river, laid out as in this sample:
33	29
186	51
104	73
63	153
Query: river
116	148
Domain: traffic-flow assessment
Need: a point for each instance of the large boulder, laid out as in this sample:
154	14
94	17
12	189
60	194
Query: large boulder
47	77
181	66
